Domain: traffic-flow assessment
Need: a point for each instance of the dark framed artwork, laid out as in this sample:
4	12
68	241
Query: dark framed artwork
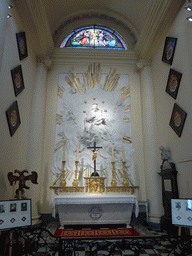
173	83
178	118
22	45
17	78
169	50
13	118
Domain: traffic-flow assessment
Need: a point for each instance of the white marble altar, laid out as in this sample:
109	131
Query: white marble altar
76	209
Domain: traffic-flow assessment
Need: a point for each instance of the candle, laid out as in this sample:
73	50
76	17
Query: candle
113	159
123	154
63	152
77	154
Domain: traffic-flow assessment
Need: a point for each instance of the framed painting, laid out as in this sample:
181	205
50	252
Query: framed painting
169	50
173	83
22	45
17	78
13	117
178	118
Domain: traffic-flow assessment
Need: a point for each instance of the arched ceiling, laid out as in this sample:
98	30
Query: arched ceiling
144	21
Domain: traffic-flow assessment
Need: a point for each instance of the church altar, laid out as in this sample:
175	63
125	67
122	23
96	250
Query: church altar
76	209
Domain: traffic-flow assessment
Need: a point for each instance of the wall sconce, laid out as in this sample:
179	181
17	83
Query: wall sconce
9	16
189	18
10	6
188	8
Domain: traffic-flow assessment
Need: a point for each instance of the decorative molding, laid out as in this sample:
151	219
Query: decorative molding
76	56
141	64
46	61
87	17
37	24
160	18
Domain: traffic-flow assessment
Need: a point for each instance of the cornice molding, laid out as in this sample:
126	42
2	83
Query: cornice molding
36	18
159	20
76	56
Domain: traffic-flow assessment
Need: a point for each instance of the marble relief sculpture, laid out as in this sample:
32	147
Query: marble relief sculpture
93	110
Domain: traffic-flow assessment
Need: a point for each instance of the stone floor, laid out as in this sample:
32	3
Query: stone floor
162	249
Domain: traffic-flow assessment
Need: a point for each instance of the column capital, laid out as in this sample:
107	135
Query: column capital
45	61
141	64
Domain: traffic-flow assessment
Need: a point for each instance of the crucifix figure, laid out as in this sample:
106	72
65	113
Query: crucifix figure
94	149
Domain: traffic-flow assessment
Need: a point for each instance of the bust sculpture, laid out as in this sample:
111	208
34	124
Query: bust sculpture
165	157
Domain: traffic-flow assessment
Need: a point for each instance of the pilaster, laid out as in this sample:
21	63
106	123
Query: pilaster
37	129
150	142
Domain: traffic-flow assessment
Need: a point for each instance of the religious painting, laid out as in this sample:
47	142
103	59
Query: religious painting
17	78
169	50
173	83
178	118
22	45
13	118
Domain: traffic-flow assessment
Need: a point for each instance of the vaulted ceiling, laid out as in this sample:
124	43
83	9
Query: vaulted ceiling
143	22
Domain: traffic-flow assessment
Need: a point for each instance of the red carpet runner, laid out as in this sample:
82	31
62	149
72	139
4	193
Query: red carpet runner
87	233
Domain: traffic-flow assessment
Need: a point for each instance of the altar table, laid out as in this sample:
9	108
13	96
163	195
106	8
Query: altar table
77	209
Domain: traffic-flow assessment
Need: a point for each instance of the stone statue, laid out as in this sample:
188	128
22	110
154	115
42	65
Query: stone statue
165	157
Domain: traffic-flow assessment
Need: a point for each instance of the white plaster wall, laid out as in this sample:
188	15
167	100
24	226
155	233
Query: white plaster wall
14	150
49	144
181	148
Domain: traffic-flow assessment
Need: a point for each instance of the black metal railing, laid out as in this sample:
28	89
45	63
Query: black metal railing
41	242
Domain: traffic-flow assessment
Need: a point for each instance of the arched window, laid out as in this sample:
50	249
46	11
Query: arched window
94	37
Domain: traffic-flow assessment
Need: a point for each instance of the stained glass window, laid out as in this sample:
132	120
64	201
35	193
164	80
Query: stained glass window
94	37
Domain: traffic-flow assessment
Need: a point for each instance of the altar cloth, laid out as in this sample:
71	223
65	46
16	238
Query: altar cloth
95	208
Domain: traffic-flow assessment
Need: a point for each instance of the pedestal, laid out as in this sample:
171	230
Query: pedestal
169	191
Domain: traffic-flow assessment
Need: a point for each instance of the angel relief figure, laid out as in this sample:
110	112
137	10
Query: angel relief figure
22	180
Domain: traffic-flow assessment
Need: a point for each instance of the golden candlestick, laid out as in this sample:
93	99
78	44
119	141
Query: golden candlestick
63	179
113	181
125	181
75	181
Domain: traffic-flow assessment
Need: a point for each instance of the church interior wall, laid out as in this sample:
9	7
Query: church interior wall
14	151
181	147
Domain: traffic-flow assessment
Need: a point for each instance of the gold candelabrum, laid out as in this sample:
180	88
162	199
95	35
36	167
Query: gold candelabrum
113	181
76	181
63	179
125	181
